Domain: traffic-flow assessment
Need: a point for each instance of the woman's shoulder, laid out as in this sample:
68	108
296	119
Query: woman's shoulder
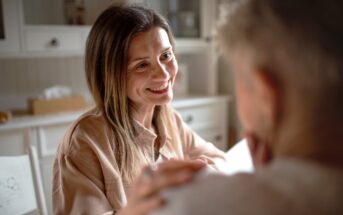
91	120
85	130
178	119
175	114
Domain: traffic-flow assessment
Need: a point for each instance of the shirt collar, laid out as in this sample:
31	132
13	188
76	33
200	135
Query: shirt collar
147	138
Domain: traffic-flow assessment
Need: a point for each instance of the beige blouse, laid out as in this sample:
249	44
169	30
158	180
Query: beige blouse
86	178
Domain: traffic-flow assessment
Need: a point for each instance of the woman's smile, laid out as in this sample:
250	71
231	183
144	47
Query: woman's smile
161	89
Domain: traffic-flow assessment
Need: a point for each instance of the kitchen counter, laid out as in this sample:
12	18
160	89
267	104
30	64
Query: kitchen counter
24	121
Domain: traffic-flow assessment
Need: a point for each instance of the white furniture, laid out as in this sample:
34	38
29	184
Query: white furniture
10	27
21	188
40	25
208	116
45	20
36	29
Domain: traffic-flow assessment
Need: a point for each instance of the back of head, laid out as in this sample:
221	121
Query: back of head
300	41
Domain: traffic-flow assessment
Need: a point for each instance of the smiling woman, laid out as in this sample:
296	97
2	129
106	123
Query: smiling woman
130	69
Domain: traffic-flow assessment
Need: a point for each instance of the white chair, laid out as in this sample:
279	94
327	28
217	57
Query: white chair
21	189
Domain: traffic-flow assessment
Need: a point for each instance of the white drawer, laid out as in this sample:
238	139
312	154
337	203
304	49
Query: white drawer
53	41
217	136
198	117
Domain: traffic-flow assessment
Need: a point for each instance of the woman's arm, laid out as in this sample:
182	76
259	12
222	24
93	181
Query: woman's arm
86	179
79	186
195	147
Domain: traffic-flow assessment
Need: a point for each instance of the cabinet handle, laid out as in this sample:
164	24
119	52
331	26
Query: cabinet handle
54	42
208	39
218	137
189	119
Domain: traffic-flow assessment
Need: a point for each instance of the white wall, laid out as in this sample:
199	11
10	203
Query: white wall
23	78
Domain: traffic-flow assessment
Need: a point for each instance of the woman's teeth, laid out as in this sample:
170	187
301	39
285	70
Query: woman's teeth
163	87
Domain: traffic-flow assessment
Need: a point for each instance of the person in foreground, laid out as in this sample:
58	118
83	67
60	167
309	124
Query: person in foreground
287	58
130	69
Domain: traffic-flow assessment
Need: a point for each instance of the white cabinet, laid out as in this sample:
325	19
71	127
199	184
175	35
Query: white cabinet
207	117
54	41
42	28
192	20
10	23
31	28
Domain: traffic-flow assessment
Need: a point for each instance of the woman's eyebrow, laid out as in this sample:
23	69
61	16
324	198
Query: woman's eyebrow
137	59
166	49
146	57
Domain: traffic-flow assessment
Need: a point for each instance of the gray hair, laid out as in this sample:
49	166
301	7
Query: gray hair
300	41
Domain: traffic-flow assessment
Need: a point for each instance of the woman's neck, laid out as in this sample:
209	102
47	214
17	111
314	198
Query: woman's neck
144	116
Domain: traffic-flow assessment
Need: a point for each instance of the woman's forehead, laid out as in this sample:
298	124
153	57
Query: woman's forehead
154	39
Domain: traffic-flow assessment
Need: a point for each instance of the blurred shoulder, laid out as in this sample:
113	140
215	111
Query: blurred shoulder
90	128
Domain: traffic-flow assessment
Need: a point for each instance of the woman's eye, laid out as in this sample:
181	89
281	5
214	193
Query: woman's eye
141	66
166	55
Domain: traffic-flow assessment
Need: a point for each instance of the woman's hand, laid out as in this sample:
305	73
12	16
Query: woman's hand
145	197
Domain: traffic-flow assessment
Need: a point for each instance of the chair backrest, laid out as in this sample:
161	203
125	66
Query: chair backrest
21	189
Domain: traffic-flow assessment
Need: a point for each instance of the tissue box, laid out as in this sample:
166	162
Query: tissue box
45	106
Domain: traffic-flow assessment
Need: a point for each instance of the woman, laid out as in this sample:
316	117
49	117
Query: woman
130	69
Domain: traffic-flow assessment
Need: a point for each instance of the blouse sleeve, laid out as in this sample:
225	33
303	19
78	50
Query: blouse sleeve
195	147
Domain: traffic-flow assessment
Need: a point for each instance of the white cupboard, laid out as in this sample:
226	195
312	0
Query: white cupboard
10	23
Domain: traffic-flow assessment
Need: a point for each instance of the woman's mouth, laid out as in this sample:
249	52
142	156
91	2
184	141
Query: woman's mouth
160	89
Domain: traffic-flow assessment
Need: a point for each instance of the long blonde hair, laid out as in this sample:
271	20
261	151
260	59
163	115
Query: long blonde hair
106	70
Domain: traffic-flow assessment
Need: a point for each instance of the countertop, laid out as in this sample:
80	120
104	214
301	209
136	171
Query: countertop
24	121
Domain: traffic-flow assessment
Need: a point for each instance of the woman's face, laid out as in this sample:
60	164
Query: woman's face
152	68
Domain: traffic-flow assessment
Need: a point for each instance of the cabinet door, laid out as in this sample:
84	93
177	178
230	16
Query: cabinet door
188	19
215	135
9	26
54	40
208	120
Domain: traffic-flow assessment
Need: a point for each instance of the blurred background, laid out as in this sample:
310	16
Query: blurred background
42	82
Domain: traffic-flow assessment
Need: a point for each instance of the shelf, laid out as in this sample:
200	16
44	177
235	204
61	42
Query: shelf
191	46
36	42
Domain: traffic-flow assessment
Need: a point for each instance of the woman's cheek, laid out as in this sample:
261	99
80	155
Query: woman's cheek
174	68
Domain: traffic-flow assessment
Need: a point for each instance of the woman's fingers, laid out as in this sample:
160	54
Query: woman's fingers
175	165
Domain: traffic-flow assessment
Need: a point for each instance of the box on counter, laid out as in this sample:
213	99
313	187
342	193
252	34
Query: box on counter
45	106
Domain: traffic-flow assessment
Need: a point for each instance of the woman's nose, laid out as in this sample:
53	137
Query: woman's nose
161	72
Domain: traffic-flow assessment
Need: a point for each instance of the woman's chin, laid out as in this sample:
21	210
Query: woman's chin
164	100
